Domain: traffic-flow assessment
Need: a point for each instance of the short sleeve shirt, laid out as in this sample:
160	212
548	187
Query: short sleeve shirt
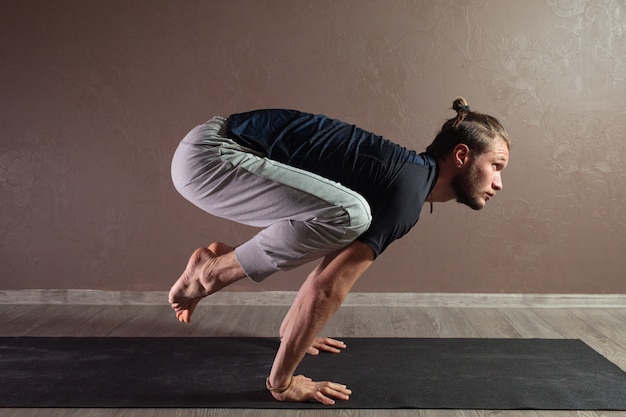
395	181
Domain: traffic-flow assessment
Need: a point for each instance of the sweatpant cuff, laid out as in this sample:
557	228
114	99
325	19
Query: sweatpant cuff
254	262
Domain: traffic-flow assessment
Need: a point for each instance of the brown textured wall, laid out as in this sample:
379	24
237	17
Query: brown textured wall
95	95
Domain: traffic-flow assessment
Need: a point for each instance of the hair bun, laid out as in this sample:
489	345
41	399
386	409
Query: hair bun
460	105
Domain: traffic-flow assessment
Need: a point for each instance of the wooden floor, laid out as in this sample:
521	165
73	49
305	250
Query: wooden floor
602	329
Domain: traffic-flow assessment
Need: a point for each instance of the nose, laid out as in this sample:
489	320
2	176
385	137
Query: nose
497	181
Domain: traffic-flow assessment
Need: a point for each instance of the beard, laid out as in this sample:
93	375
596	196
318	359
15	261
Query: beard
466	185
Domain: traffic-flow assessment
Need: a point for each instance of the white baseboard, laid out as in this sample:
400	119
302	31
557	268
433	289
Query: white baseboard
284	298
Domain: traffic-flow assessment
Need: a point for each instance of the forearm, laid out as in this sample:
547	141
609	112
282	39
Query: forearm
319	298
305	320
298	302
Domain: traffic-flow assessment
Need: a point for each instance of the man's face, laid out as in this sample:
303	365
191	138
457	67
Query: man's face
482	176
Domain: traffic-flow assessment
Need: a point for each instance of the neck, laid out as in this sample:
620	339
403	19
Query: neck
442	191
440	194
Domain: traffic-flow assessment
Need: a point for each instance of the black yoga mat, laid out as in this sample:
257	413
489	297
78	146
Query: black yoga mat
383	373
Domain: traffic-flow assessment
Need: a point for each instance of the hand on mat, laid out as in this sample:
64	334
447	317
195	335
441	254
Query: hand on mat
325	344
303	389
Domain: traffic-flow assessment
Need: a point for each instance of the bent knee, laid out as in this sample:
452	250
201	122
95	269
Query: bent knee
348	226
359	217
354	230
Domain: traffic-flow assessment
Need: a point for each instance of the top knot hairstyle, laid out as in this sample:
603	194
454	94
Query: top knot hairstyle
476	130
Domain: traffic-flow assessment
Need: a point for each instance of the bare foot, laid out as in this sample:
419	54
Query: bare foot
194	284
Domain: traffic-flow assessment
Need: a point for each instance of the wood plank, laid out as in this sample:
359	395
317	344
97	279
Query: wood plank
411	322
489	323
259	322
341	325
106	319
373	321
450	322
215	321
612	324
528	324
285	298
25	321
10	312
510	413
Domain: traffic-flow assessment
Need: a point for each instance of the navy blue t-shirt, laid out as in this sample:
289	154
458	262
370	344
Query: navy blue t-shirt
395	181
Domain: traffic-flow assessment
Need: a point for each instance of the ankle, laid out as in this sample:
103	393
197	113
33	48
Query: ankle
220	271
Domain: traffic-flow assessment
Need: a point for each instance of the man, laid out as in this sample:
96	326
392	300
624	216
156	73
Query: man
319	188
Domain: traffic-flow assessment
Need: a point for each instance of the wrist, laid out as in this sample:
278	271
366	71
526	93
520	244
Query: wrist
278	389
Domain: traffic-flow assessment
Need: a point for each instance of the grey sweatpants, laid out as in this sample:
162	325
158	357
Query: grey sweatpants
304	215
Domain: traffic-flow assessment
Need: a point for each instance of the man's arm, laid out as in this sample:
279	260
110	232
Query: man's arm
319	298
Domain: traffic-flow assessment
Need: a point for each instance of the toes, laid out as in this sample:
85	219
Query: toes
184	311
177	307
183	316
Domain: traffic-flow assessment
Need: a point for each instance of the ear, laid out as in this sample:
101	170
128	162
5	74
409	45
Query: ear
461	155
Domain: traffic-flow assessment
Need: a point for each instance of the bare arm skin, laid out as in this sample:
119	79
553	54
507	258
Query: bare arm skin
317	300
210	269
